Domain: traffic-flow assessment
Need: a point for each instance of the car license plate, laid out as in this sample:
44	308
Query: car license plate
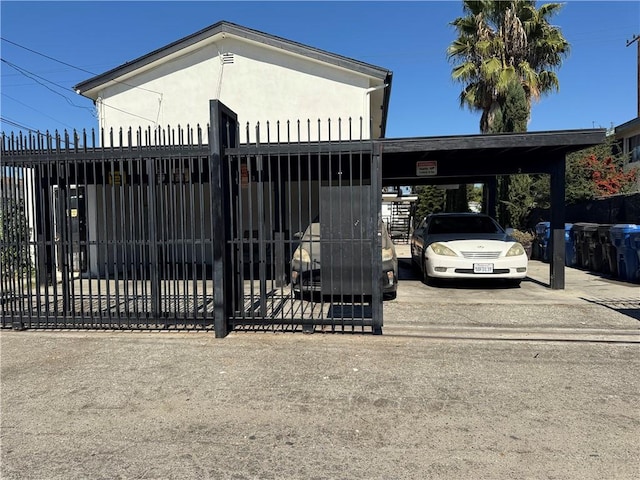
483	268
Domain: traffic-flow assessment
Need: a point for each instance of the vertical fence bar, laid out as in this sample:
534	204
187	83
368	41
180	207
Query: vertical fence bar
153	239
376	267
33	300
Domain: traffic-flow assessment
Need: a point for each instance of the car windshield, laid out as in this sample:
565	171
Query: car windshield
462	224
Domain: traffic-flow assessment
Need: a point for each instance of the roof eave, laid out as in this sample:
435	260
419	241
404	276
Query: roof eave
83	88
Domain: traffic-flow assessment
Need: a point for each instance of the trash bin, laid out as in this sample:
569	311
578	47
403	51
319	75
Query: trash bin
605	252
545	243
624	238
540	241
635	241
586	235
569	245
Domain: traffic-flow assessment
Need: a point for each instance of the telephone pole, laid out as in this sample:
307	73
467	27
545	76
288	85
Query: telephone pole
636	39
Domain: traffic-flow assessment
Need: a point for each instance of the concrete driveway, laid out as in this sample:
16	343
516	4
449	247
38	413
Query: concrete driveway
482	383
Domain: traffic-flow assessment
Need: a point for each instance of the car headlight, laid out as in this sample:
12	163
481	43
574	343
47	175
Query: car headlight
387	254
301	255
515	250
440	249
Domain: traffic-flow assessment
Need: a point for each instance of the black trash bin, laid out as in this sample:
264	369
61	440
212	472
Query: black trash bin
605	251
540	241
586	238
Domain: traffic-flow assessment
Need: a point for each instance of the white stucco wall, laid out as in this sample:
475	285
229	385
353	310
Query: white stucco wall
261	85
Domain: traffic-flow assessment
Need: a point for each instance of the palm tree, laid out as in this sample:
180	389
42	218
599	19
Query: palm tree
501	42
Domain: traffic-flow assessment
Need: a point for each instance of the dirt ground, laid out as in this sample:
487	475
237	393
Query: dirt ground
114	405
465	383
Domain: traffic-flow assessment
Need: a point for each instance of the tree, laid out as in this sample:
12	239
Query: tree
598	171
515	110
521	200
14	236
474	194
431	199
500	43
594	172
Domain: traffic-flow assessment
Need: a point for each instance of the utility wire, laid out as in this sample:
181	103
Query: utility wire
73	66
13	123
46	56
35	78
35	110
33	130
128	113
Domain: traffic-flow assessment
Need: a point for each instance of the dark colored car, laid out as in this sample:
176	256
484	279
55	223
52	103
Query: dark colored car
306	260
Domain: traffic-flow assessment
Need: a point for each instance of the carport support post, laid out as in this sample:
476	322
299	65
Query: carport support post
489	190
557	259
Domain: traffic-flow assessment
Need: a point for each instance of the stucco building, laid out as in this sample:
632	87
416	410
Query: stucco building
263	78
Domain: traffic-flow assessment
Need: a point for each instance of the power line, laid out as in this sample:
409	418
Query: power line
35	78
35	110
21	126
46	56
13	123
73	66
128	113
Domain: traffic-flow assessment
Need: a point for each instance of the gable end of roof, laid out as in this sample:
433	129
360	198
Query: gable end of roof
240	32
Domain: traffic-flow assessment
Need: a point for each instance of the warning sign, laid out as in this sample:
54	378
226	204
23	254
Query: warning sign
427	168
117	178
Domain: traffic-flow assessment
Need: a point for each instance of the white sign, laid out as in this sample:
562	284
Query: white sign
427	168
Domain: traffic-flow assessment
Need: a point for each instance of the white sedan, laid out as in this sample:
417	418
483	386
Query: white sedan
466	246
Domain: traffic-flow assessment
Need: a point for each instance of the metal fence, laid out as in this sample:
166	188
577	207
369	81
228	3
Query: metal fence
106	237
160	230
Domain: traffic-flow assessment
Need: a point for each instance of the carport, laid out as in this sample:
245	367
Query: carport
481	158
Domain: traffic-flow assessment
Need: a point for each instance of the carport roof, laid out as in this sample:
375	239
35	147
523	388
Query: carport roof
480	155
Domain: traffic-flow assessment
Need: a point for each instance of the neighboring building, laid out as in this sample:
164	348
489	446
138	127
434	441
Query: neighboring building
628	135
262	78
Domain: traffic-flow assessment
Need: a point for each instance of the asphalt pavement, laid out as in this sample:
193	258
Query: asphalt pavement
466	382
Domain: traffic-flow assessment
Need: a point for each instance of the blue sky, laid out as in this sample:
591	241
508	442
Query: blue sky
598	81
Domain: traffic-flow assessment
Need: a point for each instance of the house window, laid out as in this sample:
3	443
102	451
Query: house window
634	148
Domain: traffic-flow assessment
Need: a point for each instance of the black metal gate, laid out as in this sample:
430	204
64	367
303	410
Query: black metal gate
302	248
166	229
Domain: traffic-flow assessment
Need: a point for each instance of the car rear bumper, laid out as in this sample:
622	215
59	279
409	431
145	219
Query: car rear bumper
310	281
